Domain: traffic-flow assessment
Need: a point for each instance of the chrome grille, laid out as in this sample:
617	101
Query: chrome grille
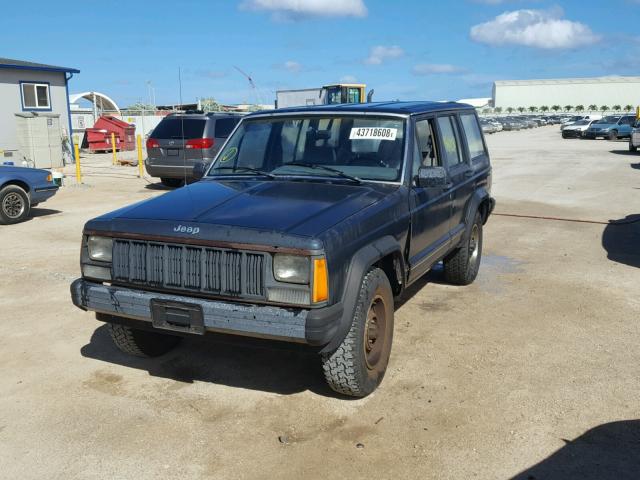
185	267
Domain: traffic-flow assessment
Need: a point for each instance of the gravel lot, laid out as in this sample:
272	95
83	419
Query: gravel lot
531	372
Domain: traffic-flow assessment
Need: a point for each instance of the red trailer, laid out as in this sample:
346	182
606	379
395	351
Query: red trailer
99	137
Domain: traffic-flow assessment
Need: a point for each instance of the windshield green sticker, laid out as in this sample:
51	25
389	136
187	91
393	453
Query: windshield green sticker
229	154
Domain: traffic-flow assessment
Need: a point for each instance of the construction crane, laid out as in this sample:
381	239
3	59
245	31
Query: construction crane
251	83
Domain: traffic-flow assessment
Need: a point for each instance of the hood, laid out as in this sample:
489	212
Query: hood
293	207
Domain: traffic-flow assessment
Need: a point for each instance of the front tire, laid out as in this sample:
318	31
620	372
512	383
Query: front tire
358	365
461	267
613	135
142	343
14	205
632	148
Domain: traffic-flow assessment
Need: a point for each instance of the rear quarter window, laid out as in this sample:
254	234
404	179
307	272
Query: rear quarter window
473	135
224	126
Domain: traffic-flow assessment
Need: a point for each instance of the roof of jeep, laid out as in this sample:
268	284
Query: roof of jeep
403	108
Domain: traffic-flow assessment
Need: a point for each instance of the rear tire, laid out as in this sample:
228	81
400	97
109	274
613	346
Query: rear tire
632	148
358	365
172	182
461	267
14	205
141	343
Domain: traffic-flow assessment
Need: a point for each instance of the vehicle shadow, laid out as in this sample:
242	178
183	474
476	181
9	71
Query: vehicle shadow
607	452
435	276
240	362
623	152
158	186
621	239
43	212
635	166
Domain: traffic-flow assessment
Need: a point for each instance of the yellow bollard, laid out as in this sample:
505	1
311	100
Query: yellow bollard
140	170
113	148
78	173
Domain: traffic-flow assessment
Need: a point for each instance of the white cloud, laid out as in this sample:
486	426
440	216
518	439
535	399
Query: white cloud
436	68
348	79
534	28
300	9
379	54
291	66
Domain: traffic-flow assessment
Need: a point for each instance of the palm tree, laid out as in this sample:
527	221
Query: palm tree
521	109
616	108
497	110
628	108
544	108
593	107
509	109
533	109
568	108
604	108
579	108
555	108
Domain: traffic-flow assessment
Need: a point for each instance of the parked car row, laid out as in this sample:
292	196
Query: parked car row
515	122
611	127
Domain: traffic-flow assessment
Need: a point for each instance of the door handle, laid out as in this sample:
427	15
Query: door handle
468	174
448	186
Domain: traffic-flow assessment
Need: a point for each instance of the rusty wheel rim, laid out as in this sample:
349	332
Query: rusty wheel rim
375	332
13	205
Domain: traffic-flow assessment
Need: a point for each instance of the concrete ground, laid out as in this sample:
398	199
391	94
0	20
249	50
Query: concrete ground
531	372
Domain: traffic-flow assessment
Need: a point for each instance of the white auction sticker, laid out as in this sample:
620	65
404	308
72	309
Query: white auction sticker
373	133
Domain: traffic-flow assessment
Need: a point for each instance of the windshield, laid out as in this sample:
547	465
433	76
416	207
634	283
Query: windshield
609	120
356	147
582	122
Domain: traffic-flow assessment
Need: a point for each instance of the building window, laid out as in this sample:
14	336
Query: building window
35	96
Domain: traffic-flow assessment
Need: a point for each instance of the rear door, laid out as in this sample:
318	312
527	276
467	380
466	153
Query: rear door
457	162
430	207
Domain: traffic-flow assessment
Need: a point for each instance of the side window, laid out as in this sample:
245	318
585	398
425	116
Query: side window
450	140
224	126
425	154
474	137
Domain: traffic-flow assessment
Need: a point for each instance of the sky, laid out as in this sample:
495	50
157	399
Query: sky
404	49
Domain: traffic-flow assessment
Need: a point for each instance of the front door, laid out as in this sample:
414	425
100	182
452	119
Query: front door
430	207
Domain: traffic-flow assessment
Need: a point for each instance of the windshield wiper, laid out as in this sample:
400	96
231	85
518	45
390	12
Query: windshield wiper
246	169
317	166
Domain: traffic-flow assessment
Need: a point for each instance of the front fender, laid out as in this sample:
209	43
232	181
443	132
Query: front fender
358	267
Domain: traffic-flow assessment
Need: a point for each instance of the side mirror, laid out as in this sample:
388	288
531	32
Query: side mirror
432	177
199	169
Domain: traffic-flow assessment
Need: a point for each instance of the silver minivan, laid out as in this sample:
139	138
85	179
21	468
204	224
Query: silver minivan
183	139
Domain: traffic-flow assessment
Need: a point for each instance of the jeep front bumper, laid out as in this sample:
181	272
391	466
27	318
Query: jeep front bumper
311	326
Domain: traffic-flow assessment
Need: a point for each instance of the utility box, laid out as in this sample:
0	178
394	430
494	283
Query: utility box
98	138
40	139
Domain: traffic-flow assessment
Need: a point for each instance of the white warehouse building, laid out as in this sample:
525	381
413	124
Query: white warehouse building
598	91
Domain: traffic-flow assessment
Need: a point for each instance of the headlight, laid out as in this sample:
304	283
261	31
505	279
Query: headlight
100	248
291	268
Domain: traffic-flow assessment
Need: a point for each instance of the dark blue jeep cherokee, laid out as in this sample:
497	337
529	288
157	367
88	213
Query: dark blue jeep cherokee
304	228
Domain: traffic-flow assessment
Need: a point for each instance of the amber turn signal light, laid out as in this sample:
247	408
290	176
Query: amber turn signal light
320	281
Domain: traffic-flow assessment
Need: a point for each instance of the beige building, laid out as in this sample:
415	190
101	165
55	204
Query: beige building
567	91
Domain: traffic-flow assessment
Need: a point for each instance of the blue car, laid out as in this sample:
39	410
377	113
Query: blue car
611	127
22	188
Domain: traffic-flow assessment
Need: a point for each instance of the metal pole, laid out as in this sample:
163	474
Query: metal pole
78	172
113	148
140	170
